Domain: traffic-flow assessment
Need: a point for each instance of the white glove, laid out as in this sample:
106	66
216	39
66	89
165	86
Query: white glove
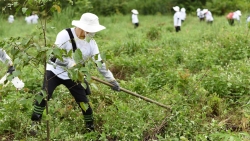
15	81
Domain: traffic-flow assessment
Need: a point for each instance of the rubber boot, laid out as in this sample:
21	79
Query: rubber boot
33	130
90	126
36	118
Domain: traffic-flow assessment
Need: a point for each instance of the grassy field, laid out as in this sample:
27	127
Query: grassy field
202	72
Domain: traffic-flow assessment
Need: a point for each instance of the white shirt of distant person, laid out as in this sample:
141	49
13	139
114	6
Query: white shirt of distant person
32	19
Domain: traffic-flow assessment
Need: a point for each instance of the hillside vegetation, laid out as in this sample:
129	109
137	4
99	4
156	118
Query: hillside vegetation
202	73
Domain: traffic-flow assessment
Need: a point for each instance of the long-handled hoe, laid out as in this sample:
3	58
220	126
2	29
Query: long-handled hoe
134	94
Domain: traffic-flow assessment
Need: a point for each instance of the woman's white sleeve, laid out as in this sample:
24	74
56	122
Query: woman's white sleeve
107	74
5	57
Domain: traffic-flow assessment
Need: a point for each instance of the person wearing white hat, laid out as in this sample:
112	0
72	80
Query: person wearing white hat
237	15
11	19
200	14
177	18
135	19
208	16
248	19
28	19
34	18
78	37
233	16
183	14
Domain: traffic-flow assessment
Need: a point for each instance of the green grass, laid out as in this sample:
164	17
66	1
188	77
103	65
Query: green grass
202	72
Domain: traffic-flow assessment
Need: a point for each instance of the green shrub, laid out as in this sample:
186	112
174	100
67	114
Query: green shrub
154	33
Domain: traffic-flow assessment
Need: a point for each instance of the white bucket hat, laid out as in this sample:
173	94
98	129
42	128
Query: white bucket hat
89	22
204	11
183	10
134	11
238	12
176	8
198	10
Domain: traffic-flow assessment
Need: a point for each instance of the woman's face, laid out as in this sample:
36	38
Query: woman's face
81	33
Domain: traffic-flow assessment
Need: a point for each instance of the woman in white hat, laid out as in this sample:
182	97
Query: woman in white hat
237	15
233	16
248	19
208	16
177	18
135	19
81	38
183	14
11	19
200	14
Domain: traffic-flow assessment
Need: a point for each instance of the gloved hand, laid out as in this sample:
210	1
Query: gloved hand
10	69
115	84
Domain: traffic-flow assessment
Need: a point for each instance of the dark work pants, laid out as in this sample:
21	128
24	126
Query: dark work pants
136	25
177	28
231	21
76	89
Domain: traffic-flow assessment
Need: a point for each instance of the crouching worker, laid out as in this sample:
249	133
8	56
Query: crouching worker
82	35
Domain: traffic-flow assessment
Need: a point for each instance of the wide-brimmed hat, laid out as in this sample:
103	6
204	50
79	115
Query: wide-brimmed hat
198	10
176	8
183	10
204	11
134	11
89	22
238	12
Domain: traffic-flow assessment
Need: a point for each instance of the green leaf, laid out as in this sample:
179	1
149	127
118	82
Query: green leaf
77	56
39	98
99	64
108	56
103	56
16	4
24	9
83	69
84	106
26	42
96	57
58	53
47	116
70	53
80	76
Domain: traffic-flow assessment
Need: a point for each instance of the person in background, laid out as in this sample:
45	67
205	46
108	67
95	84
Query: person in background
200	15
28	19
177	18
11	19
6	59
233	16
34	18
183	14
135	19
208	16
248	19
56	74
198	12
